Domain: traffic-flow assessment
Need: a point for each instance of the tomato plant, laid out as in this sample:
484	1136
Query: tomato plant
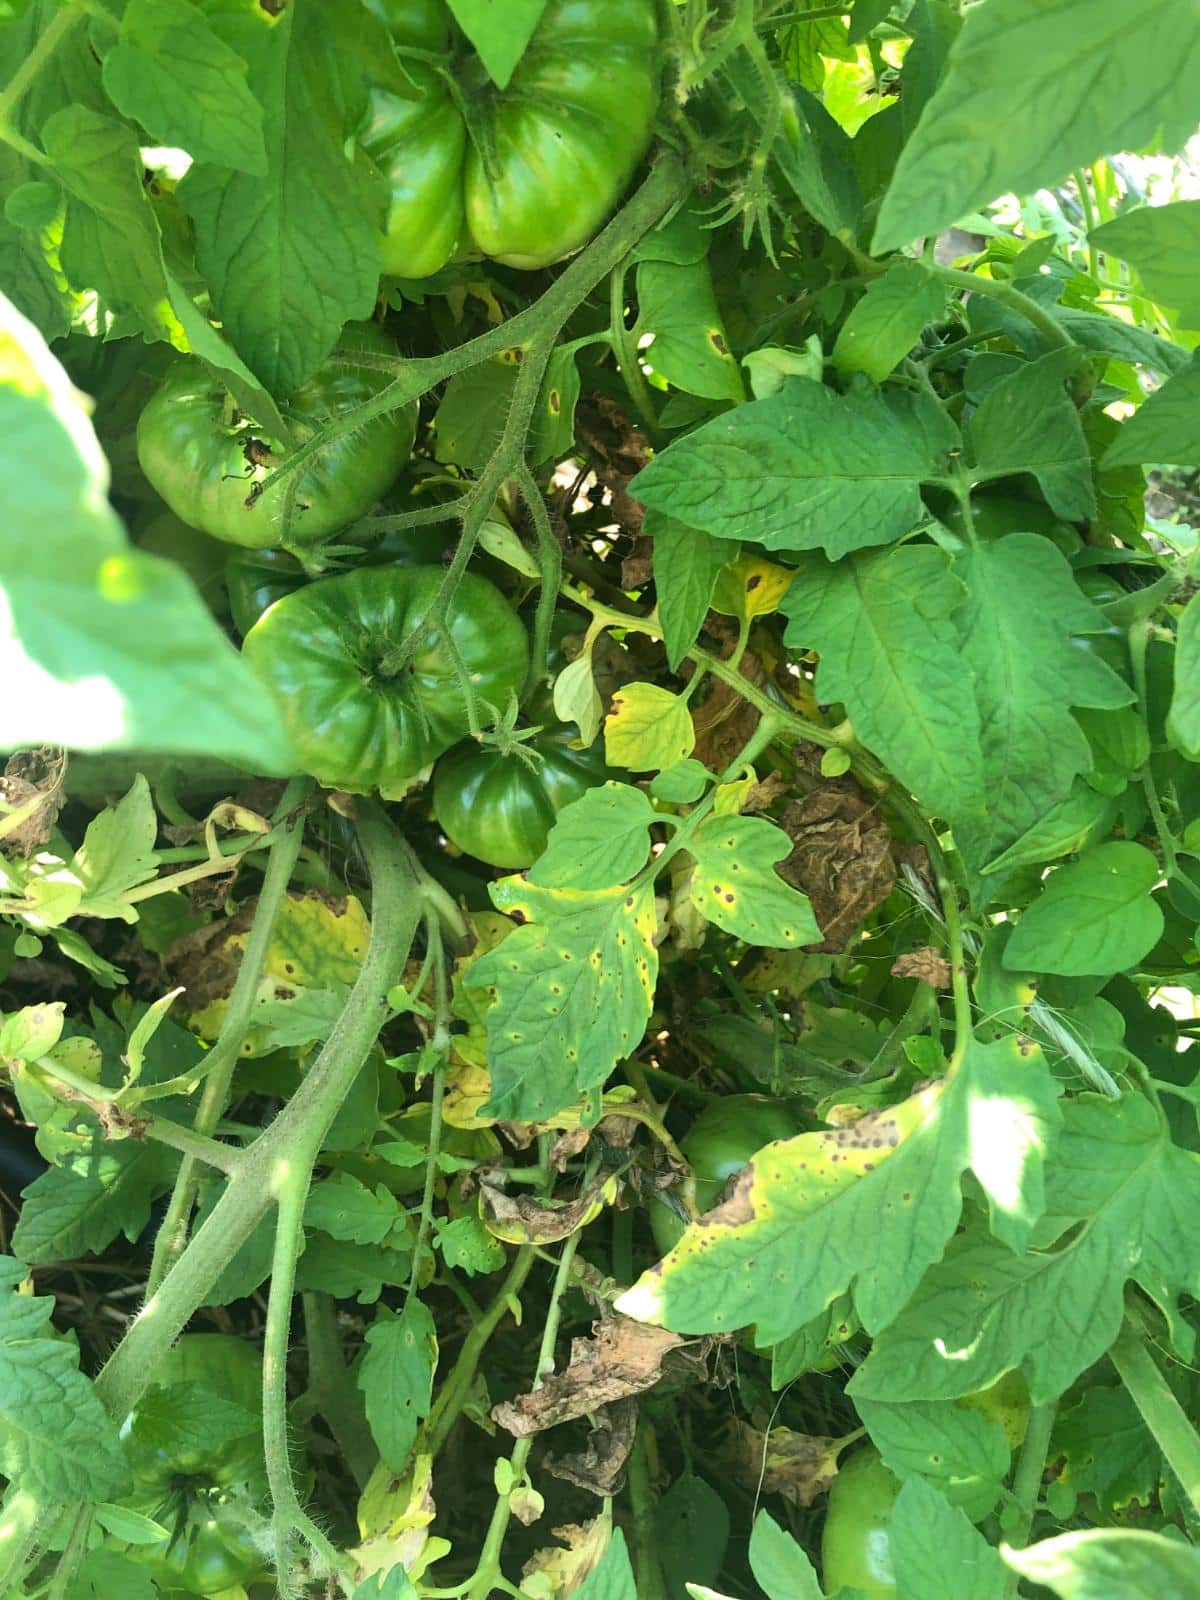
600	813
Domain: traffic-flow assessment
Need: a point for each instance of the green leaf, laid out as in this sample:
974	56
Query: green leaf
103	1573
396	1378
681	784
1021	104
887	322
93	621
117	854
577	700
806	469
735	884
1162	242
892	654
1110	1564
574	987
936	1552
680	333
648	728
31	1032
499	30
71	1211
780	1567
600	840
1027	423
169	71
1165	428
804	1221
1061	831
1107	336
613	1578
1020	611
467	1246
963	1454
552	431
1094	916
471	416
346	1209
691	1532
686	564
981	1311
57	1442
291	257
1107	1449
1183	721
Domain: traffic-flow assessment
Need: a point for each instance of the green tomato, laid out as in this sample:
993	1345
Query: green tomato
855	1542
718	1145
204	457
525	174
210	1550
362	717
230	1369
499	808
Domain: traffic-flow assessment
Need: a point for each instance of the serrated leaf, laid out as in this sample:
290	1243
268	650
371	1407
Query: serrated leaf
396	1379
1021	608
686	564
803	1223
735	884
963	1454
936	1552
805	469
1164	428
1102	1563
1183	720
779	1565
1021	104
1027	423
891	653
888	321
1161	242
172	73
648	728
1094	916
67	1213
574	987
117	854
981	1311
291	257
599	840
346	1209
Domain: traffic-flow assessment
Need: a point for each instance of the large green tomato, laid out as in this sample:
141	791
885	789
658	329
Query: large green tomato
499	808
525	174
361	716
204	457
719	1144
210	1549
855	1542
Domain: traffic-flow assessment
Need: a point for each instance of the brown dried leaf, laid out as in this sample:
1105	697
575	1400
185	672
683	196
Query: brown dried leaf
724	720
32	778
622	1358
798	1466
567	1146
926	964
638	566
841	858
567	1570
600	1467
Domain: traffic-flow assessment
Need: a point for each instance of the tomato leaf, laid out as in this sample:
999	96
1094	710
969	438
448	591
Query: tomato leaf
1183	722
648	728
779	1565
736	886
1092	916
600	840
936	1552
1027	423
679	320
1161	242
1097	1563
887	322
686	564
396	1378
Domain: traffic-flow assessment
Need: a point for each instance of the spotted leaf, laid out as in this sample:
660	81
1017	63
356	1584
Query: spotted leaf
736	886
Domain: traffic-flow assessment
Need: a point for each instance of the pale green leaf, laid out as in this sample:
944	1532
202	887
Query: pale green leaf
396	1378
887	322
806	469
1094	916
600	840
1111	1564
936	1553
1162	242
346	1209
613	1577
679	331
1165	428
780	1567
117	854
963	1454
892	654
648	728
735	884
1022	103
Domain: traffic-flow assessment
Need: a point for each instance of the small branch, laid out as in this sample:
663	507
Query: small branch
549	555
1028	1482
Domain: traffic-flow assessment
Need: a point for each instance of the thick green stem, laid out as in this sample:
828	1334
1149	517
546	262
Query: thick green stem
300	1126
226	1052
331	1389
1028	1482
1044	321
1161	1412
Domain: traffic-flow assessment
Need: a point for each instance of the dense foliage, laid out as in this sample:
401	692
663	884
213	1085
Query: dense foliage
600	844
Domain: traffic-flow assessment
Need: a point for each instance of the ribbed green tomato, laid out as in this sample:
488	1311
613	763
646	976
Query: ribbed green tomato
364	713
210	1550
525	174
855	1542
719	1144
205	458
499	808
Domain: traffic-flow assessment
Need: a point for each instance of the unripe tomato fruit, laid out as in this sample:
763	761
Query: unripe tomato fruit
719	1144
855	1541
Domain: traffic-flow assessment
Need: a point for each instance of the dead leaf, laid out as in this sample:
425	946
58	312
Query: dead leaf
523	1219
32	778
724	720
927	965
841	858
638	566
600	1467
560	1573
798	1466
622	1358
